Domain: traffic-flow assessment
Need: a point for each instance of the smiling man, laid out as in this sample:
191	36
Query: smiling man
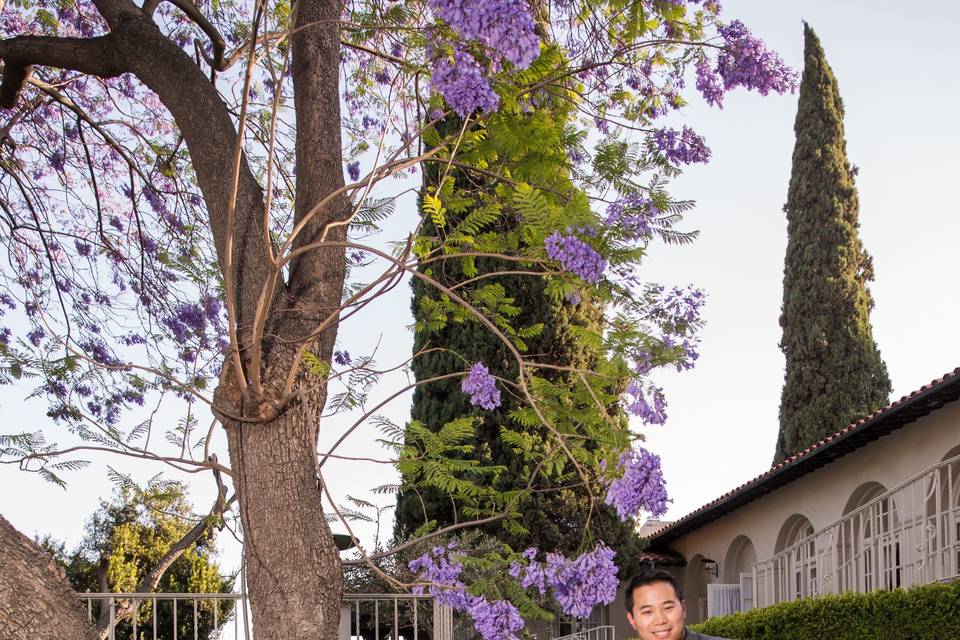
655	608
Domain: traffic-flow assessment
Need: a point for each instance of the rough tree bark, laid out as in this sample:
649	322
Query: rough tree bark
293	568
36	600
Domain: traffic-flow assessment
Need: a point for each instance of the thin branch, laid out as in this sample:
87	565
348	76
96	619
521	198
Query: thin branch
193	12
229	281
439	532
383	403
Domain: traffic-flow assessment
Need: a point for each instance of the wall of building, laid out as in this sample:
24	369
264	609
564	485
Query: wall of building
820	497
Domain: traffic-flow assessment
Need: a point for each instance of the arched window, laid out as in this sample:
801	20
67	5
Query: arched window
796	571
695	589
948	514
868	545
738	569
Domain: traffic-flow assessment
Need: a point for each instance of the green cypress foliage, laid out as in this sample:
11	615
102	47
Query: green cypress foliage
532	148
834	372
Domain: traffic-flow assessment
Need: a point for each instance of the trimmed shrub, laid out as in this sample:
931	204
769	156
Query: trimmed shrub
928	612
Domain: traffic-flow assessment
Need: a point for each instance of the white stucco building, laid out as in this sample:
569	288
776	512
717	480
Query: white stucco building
874	506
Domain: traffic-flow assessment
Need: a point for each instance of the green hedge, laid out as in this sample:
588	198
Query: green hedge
929	612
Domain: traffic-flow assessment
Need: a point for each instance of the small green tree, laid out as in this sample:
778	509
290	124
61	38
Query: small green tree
834	372
126	539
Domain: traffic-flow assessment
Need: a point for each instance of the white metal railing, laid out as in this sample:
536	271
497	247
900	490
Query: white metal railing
600	632
189	616
379	616
907	536
171	616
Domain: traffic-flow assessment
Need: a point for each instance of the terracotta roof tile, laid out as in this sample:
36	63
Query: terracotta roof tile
665	558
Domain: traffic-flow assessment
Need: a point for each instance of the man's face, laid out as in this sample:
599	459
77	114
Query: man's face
657	612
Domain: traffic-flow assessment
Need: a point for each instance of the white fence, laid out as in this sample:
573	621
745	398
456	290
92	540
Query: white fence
907	536
601	632
194	616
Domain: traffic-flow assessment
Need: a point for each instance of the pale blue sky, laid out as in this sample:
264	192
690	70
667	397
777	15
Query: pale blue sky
893	66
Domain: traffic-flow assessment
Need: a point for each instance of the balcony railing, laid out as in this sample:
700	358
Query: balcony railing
601	632
907	536
188	616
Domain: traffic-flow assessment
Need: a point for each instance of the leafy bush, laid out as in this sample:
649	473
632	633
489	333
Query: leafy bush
929	612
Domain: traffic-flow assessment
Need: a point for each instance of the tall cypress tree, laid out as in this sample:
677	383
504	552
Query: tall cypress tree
834	372
554	516
533	148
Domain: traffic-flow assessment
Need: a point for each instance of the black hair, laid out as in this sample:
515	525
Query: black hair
650	576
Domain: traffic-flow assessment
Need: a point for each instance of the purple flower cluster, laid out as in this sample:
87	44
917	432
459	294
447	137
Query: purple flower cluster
634	214
481	387
497	620
652	411
683	147
342	358
504	26
640	486
677	305
192	319
744	62
439	568
353	170
575	256
688	351
462	84
708	84
578	585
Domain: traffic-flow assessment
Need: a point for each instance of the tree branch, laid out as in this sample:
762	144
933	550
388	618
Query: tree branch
439	532
193	12
94	56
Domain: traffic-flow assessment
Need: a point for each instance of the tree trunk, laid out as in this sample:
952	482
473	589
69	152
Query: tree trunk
294	576
293	568
36	601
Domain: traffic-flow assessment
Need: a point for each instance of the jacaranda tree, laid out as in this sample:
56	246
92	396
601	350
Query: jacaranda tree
177	227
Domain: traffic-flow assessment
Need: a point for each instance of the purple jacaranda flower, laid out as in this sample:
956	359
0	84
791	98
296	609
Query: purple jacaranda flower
503	26
650	411
679	307
462	84
578	585
496	620
640	485
36	336
575	256
481	387
709	83
634	214
353	170
746	62
681	147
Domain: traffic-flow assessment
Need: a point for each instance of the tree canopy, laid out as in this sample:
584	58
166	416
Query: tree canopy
124	542
178	228
834	373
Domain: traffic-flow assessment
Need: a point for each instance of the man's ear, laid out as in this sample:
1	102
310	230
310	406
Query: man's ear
630	620
683	607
